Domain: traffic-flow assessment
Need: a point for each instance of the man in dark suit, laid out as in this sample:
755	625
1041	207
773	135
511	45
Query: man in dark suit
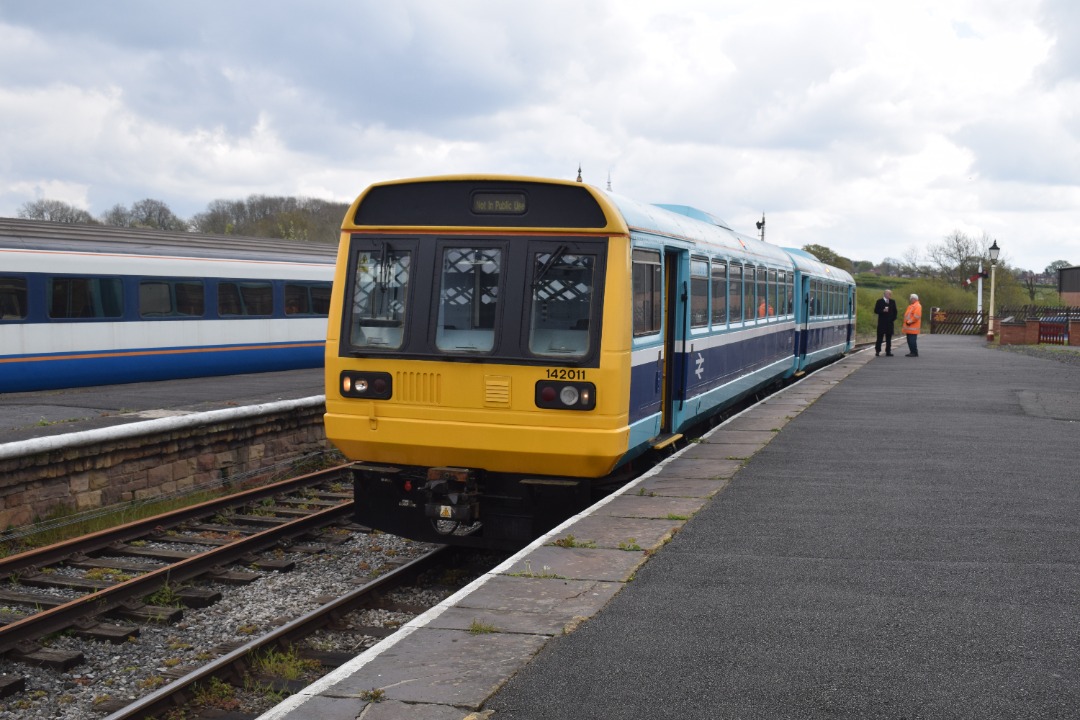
885	309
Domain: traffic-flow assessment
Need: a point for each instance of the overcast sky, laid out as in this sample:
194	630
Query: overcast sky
873	128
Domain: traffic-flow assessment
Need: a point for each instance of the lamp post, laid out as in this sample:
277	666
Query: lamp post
994	252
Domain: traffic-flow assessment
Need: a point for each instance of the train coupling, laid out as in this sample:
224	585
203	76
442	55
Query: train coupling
452	494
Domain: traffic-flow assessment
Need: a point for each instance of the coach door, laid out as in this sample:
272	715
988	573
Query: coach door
802	321
674	315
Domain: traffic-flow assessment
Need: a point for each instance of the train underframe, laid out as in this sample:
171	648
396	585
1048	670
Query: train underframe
468	506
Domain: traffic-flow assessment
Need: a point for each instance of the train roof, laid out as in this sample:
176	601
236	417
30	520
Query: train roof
54	236
810	265
694	226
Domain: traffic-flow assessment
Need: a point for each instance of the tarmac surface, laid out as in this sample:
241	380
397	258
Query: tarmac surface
31	415
908	547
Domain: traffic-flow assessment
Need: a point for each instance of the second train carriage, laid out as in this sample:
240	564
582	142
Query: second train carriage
497	345
92	305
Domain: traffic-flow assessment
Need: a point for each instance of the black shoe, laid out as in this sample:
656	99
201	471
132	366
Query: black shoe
911	355
888	355
878	352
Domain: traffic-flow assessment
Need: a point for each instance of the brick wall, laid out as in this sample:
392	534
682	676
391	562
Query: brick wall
1012	333
137	468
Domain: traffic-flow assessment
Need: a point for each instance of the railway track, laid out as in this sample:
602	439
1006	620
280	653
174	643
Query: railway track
101	586
115	567
184	690
76	615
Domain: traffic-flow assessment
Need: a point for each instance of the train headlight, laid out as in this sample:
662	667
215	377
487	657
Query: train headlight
371	385
565	395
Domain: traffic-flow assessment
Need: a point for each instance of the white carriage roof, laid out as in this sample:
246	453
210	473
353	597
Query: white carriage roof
42	235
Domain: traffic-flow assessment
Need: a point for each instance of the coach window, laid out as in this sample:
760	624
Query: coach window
648	307
773	300
562	294
749	283
763	308
699	292
719	293
781	293
12	298
735	282
468	299
81	297
307	299
247	298
171	298
379	294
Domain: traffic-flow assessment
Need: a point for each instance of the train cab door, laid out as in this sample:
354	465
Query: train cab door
674	311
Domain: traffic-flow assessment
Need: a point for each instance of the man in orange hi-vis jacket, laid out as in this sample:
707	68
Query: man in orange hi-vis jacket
912	323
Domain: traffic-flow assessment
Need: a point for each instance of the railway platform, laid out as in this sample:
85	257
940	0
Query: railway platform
890	537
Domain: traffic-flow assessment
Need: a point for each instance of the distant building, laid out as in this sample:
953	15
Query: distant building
1069	286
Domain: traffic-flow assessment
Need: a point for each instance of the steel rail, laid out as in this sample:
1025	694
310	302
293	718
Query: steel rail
103	601
164	698
87	544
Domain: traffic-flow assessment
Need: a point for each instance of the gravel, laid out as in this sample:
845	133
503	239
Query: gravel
1059	353
127	671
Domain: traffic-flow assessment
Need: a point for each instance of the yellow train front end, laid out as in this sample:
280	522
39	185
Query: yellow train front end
478	354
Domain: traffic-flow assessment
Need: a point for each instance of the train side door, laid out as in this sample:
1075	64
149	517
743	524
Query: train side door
674	313
802	321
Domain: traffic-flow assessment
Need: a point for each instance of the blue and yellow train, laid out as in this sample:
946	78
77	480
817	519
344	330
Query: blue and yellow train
499	346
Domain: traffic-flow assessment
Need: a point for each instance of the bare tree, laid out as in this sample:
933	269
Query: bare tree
279	217
155	214
956	257
117	216
146	213
54	211
910	265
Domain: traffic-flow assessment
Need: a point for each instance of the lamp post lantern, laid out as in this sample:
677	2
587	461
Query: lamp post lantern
994	252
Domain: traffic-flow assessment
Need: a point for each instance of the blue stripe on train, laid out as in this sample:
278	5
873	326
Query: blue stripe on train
51	372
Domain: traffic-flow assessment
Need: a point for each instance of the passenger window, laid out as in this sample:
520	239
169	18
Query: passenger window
379	298
699	292
468	299
735	283
171	298
648	304
749	306
12	298
190	298
763	308
320	298
155	300
297	301
719	293
773	299
85	298
562	290
249	298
